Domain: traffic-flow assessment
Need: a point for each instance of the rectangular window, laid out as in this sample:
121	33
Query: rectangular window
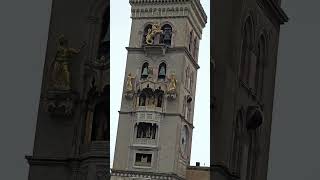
143	160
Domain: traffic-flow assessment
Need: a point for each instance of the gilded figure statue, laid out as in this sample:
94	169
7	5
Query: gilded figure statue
173	83
129	86
155	29
60	76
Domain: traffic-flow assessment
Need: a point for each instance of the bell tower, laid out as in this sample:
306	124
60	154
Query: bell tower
156	116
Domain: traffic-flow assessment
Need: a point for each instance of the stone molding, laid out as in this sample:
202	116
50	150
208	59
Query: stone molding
152	175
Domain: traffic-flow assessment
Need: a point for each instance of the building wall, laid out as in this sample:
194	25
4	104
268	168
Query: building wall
198	173
59	148
230	95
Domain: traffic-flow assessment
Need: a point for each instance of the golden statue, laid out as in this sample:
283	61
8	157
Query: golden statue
60	76
129	86
156	29
173	83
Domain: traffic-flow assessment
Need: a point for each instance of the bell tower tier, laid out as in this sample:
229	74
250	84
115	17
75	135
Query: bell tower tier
156	116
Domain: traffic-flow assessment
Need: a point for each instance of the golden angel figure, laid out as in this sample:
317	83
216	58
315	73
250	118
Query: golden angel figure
129	86
60	75
173	83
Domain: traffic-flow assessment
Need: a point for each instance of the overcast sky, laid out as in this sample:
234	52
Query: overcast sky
120	33
295	145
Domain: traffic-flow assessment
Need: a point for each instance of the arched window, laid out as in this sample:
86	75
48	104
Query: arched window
99	124
191	82
162	71
260	67
237	145
167	35
142	99
104	45
145	70
245	52
195	47
146	130
184	139
186	81
252	156
190	41
145	32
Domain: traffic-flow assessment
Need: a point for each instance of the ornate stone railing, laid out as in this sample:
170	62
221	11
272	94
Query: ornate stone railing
144	164
153	83
149	108
152	117
145	141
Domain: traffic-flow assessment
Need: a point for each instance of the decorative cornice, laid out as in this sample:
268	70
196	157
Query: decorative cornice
224	171
173	49
279	11
198	168
165	114
167	2
136	2
172	9
139	174
275	9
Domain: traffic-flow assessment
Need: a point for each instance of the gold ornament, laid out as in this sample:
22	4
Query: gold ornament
156	29
173	83
60	75
129	86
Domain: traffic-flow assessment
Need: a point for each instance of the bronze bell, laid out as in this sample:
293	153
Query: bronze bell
145	71
162	71
167	36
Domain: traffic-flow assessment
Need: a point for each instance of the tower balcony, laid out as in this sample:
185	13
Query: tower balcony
149	117
145	142
146	134
144	109
152	83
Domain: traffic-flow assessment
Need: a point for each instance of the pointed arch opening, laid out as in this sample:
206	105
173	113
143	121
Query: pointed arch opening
145	70
245	50
162	71
166	37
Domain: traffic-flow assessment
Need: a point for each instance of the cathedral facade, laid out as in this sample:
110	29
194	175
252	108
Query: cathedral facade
156	117
72	132
244	60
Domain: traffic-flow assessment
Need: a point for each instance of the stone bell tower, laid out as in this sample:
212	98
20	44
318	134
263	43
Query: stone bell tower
156	116
72	135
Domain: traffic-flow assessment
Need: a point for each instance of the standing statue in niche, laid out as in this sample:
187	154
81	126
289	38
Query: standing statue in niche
129	86
152	33
60	76
172	84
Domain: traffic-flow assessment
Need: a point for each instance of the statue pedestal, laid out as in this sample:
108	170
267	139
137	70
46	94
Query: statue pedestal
155	49
171	95
60	103
129	94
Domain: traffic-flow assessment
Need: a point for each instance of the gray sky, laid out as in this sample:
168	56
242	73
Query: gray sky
120	33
